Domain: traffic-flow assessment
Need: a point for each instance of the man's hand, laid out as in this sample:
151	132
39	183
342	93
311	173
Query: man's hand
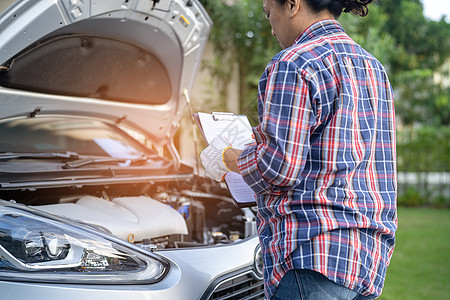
213	159
231	156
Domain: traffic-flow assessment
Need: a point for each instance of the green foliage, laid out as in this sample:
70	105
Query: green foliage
411	198
370	33
424	149
426	43
414	50
441	202
420	100
242	38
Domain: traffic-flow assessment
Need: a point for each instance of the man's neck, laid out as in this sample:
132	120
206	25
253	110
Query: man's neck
306	17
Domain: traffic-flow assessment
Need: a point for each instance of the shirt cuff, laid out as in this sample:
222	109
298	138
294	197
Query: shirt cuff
248	168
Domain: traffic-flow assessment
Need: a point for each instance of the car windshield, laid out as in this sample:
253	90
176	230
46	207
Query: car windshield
65	134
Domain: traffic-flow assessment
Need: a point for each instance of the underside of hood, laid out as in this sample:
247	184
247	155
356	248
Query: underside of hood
122	59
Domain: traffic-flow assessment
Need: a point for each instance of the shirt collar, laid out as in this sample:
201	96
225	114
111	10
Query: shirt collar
319	28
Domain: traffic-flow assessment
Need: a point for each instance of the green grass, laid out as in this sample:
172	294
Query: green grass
420	266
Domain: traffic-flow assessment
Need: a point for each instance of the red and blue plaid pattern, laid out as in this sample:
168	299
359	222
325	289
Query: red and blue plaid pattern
324	168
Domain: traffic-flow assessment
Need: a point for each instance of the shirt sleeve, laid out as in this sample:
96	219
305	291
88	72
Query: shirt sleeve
274	164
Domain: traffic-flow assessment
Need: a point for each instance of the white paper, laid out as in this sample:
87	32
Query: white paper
238	131
240	191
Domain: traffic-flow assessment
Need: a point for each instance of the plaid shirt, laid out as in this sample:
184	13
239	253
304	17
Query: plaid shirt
323	168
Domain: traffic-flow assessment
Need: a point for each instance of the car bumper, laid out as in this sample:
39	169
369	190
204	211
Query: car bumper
195	273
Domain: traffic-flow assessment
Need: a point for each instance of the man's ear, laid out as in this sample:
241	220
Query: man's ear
294	7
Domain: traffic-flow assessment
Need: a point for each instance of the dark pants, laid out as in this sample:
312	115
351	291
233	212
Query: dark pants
311	285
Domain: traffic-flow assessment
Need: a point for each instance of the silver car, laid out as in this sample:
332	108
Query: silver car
96	203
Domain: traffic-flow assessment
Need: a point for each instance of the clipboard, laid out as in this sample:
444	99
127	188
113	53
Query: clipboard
240	134
212	124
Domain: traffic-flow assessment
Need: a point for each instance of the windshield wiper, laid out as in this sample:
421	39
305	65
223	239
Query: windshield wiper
75	160
90	161
13	155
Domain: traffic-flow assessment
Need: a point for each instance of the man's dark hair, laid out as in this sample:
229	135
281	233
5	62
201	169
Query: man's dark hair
336	7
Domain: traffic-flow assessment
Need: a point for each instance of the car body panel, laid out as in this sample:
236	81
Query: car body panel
181	32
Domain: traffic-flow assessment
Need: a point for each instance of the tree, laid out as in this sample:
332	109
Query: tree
415	51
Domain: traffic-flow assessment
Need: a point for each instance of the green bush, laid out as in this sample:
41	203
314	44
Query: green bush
423	149
441	201
411	198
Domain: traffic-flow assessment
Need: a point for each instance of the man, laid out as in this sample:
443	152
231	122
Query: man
323	167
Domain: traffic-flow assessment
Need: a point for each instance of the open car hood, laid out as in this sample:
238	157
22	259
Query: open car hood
127	60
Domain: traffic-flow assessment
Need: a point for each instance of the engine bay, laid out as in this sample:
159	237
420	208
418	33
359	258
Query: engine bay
154	216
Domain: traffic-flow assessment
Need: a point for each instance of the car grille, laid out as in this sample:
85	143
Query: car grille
242	286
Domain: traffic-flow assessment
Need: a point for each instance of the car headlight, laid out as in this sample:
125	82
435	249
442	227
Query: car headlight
38	247
258	262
